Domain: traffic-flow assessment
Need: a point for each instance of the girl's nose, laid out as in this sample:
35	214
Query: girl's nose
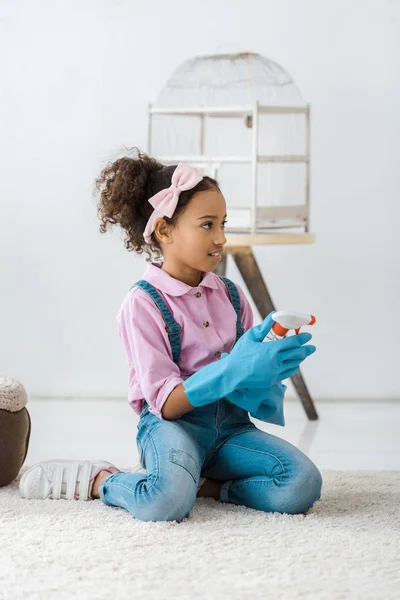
220	239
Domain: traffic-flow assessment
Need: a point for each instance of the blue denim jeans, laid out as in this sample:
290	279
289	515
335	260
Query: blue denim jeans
258	470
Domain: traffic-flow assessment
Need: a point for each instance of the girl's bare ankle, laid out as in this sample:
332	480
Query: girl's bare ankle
211	488
96	483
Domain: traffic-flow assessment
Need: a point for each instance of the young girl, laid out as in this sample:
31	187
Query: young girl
198	367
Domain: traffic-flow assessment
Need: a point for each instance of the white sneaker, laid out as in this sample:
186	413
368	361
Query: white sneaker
55	479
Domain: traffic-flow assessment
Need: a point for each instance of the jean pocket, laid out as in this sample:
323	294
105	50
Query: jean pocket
186	461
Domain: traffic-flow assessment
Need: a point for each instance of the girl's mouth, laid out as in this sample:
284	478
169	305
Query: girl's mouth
216	256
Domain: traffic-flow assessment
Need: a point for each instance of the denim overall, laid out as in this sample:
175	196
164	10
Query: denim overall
258	470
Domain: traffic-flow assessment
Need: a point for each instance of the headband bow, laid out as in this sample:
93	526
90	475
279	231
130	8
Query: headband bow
165	202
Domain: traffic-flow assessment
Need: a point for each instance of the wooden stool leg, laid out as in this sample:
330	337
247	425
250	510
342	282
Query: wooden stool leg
248	267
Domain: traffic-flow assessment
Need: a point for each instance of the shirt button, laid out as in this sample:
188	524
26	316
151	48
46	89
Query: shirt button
198	294
206	324
217	354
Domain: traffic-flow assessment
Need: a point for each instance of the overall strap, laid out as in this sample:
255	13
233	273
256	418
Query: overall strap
235	299
172	327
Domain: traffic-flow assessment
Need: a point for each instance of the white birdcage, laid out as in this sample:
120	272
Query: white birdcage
241	119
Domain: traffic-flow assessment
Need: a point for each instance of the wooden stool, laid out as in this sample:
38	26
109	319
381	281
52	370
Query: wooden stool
240	248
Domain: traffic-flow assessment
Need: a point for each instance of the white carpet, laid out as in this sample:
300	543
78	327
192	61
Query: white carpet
347	546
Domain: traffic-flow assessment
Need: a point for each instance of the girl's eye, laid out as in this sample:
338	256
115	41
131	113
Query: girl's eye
211	224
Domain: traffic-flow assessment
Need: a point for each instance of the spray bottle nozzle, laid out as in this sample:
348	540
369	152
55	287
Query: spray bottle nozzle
286	320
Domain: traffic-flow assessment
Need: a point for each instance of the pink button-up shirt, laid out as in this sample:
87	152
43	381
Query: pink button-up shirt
208	328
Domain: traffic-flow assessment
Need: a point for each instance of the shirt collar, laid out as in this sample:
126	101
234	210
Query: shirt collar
173	287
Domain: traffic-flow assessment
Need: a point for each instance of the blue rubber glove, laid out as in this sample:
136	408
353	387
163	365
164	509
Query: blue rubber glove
251	364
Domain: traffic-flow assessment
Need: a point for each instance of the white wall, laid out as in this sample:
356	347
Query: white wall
74	89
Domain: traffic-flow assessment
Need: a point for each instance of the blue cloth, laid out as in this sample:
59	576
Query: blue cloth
263	404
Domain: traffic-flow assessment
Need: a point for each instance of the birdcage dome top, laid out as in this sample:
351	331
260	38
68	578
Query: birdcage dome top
229	80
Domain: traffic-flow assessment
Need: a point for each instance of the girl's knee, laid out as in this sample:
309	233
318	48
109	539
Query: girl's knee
170	499
164	507
304	490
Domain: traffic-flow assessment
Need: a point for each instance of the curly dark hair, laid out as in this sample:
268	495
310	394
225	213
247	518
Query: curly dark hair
124	187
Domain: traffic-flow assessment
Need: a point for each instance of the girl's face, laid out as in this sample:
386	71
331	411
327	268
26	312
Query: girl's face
199	232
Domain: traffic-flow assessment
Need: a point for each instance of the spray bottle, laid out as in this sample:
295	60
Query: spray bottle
286	320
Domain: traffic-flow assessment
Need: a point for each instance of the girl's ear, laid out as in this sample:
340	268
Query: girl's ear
162	231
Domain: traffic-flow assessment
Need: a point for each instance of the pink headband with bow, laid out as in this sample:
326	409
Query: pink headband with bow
165	202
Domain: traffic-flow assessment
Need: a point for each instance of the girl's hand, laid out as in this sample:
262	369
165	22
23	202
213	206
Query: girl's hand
254	364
